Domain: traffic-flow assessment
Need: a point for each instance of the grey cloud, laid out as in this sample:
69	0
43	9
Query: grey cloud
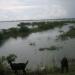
36	9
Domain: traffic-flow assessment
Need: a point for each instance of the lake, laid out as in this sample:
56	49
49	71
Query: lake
22	48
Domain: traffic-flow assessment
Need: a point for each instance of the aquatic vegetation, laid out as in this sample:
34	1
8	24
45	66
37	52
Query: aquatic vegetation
69	34
42	49
32	44
49	25
41	26
23	31
1	36
52	48
22	24
14	32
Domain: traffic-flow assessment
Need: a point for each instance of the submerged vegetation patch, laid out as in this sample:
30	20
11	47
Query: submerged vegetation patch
22	29
52	48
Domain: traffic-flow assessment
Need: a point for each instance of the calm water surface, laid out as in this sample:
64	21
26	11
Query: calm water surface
22	48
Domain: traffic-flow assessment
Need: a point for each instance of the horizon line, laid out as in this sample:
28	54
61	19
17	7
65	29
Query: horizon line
34	20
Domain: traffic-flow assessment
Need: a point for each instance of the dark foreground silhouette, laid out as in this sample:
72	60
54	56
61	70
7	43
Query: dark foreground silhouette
64	65
18	66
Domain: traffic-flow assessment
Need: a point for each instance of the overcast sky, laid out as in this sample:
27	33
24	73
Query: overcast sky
36	9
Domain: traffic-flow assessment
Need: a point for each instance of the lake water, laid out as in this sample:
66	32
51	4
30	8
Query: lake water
22	48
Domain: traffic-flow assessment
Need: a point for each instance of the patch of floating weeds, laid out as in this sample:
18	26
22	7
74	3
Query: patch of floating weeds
52	48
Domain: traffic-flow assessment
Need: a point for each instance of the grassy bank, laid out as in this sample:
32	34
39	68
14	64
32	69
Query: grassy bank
7	70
